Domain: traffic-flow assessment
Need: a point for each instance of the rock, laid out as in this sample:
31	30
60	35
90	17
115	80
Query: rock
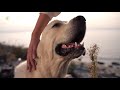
117	74
118	68
117	71
81	70
109	70
77	73
110	66
116	63
101	67
101	63
68	76
6	73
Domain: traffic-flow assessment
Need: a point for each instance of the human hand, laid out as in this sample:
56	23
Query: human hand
31	53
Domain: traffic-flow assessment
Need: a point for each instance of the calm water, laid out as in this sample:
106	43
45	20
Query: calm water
107	40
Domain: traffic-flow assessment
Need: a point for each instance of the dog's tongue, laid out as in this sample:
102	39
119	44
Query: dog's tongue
71	45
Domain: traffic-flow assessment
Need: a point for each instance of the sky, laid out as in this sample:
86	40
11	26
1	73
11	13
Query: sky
25	21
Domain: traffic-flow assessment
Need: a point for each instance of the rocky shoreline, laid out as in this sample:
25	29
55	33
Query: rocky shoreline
76	69
81	70
10	56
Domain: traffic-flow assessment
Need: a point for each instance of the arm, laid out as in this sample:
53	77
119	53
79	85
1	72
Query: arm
40	25
42	21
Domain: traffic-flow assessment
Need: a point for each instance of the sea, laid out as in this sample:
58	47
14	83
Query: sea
108	41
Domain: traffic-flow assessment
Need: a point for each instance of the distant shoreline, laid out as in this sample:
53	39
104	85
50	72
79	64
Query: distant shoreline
14	31
11	55
18	31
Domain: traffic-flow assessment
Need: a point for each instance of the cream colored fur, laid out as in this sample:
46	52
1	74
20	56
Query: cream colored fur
49	64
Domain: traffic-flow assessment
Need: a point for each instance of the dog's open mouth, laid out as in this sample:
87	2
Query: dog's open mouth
72	47
65	49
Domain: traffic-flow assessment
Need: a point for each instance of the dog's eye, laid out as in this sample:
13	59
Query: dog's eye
56	25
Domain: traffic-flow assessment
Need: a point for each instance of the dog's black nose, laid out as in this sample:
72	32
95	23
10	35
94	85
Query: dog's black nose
80	18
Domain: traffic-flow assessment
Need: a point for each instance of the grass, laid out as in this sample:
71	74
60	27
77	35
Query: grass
93	53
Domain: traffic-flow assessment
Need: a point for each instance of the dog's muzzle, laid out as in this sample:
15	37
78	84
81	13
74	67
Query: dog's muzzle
73	46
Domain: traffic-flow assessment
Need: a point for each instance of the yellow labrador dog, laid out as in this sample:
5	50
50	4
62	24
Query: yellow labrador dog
60	43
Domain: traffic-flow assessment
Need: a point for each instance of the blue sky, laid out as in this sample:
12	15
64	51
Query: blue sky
25	21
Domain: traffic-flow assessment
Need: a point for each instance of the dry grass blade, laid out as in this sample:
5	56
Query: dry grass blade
93	53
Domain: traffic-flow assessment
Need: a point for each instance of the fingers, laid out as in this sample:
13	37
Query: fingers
34	55
31	55
29	67
31	63
28	62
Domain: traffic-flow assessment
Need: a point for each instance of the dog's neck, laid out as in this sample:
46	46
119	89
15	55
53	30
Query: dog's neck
49	66
52	68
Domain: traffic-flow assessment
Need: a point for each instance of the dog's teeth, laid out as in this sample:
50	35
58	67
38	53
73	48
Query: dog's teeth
64	46
72	45
78	45
69	46
75	44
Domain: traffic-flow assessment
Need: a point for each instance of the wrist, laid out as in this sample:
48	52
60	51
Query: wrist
35	35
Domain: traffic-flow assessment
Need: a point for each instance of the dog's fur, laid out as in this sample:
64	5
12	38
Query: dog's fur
49	63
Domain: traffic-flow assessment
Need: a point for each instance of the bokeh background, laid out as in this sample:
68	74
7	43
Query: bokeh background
103	29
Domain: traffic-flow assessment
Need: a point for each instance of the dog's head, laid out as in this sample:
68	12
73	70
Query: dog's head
61	39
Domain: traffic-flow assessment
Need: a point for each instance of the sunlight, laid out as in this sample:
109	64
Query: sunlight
27	20
95	19
18	18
